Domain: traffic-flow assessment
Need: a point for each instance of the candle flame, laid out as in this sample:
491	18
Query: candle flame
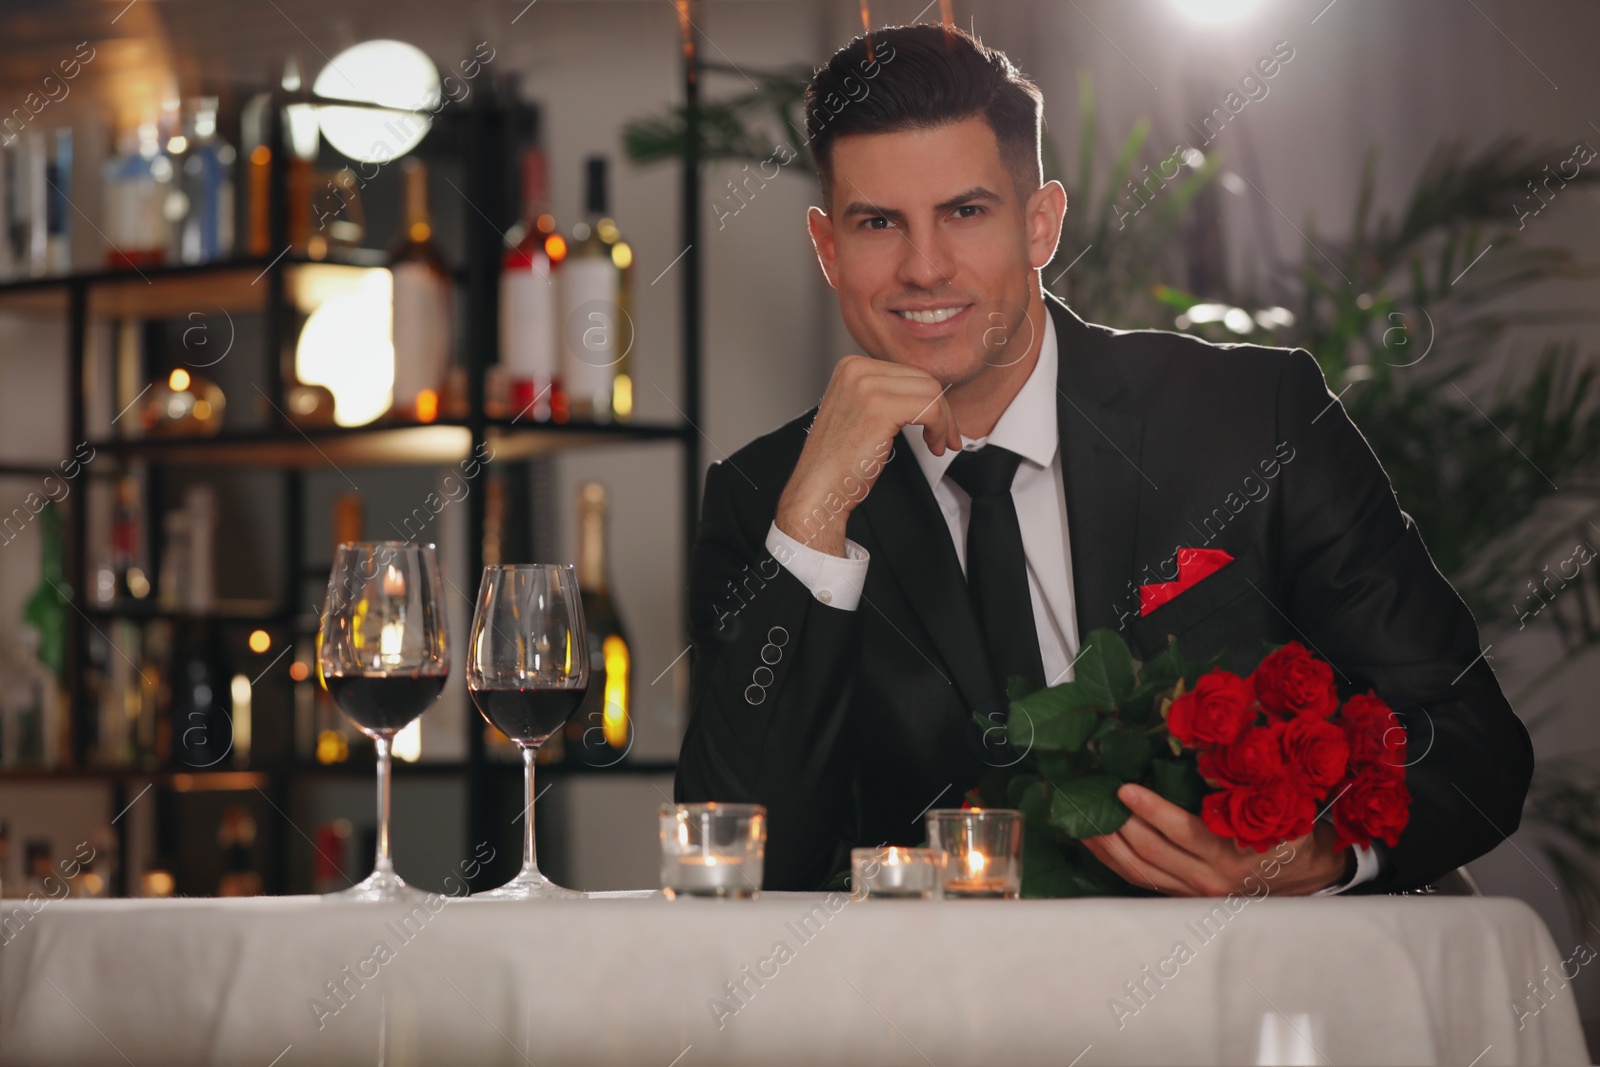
976	861
893	857
394	582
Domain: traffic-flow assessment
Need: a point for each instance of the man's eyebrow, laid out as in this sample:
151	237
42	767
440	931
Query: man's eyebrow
977	192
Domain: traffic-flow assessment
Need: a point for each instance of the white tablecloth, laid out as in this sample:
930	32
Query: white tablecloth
815	980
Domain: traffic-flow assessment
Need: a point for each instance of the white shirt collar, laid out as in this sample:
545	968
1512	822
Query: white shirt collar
1027	426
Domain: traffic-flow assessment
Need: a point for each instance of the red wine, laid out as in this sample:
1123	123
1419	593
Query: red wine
384	703
528	716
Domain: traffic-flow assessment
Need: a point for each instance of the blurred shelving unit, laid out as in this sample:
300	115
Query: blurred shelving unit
480	138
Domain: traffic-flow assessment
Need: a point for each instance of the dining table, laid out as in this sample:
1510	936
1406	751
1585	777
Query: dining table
787	978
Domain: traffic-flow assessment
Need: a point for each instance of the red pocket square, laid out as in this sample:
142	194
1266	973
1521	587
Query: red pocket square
1193	565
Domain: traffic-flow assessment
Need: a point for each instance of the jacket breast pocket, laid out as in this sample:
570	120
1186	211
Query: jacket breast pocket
1238	578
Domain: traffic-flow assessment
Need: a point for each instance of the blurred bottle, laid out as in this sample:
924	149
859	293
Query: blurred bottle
330	857
47	606
423	307
201	698
256	174
236	836
127	580
202	195
601	733
137	179
13	212
596	328
529	331
53	246
31	707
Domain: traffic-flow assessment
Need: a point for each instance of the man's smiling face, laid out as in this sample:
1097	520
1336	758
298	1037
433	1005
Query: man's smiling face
931	248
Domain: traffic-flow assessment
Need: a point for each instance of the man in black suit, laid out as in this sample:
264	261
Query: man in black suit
997	478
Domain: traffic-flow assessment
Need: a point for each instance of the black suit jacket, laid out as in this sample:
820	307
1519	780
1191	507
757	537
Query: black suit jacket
847	725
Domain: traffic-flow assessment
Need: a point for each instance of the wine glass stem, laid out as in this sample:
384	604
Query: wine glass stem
381	862
530	856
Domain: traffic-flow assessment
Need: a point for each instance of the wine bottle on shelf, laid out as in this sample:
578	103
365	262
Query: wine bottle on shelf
202	698
596	328
127	578
136	183
13	212
528	326
255	174
53	254
47	606
601	733
327	732
204	184
423	307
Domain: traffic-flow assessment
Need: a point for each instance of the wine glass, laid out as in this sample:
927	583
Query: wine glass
385	656
527	671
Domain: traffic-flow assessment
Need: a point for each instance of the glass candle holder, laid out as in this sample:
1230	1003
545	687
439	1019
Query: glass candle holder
985	850
897	873
712	849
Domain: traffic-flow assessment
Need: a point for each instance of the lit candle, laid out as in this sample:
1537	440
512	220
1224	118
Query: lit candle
713	876
985	847
391	638
712	850
896	872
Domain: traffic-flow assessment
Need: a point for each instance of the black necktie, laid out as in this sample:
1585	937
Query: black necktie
997	568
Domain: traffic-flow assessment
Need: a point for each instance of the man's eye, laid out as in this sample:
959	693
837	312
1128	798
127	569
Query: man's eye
872	223
976	209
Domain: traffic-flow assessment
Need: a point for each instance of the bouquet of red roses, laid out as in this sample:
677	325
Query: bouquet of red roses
1278	748
1258	757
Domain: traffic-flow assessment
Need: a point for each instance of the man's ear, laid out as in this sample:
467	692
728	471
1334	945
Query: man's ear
1046	209
820	225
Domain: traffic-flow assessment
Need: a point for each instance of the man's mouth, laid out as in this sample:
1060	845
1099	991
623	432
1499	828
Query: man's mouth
930	316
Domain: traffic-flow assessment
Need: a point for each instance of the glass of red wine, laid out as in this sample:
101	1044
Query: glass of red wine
527	671
385	656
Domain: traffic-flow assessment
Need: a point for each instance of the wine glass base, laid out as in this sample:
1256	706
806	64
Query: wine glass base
530	886
380	886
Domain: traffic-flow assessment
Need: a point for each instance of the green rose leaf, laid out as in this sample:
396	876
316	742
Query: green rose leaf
1088	806
1142	703
1034	803
1065	732
1111	666
1018	785
1126	753
1179	781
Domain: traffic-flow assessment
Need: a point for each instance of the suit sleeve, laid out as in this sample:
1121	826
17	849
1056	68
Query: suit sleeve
1362	588
772	669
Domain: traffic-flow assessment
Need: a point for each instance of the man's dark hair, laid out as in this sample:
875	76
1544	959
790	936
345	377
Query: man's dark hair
919	77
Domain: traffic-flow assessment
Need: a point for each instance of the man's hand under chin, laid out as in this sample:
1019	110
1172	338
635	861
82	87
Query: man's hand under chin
866	403
1170	850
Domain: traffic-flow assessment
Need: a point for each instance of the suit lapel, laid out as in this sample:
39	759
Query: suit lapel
1100	448
910	530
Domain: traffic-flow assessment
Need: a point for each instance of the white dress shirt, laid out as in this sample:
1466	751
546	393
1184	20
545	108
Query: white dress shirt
1027	427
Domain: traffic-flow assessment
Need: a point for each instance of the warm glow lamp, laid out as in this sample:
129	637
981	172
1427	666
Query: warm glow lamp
392	74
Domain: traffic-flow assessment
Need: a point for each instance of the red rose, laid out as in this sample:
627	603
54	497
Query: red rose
1375	805
1215	712
1262	816
1316	749
1293	683
1255	758
1377	737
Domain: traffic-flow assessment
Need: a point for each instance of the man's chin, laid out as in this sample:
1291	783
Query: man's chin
949	364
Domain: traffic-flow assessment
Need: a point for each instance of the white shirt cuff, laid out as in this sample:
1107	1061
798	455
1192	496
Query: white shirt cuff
834	580
1366	871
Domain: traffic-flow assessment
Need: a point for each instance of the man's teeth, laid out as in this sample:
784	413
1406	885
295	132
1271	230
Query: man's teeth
928	318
